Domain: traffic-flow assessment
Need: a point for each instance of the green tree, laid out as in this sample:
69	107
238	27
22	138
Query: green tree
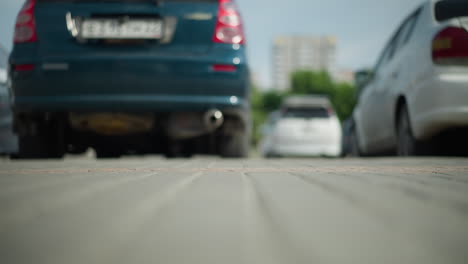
341	94
310	82
344	99
272	100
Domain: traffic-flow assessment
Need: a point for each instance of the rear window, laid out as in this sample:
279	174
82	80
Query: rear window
306	112
449	9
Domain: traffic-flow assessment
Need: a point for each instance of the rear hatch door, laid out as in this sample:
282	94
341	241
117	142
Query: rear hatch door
94	63
306	124
100	27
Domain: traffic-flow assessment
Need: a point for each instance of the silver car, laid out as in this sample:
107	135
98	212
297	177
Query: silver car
416	98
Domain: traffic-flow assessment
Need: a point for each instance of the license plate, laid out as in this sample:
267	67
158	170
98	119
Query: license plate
126	29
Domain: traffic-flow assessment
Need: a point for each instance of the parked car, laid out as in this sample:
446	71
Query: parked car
305	126
8	140
418	90
127	76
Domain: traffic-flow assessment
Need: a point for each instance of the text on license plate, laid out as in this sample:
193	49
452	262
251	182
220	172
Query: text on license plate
115	29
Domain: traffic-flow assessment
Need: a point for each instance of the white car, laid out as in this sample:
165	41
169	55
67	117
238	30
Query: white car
305	126
419	88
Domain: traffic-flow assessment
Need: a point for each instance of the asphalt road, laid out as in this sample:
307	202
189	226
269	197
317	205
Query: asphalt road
213	211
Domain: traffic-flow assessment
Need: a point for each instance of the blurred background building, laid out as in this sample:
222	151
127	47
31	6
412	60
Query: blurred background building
292	53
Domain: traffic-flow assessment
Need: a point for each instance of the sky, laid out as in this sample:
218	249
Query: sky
361	27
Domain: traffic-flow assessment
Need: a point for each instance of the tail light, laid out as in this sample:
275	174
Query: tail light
224	68
23	67
25	28
450	45
229	28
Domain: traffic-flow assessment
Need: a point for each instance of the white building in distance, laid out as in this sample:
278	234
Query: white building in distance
292	53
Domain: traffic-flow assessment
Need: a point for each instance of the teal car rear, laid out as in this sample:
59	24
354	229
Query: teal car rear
130	76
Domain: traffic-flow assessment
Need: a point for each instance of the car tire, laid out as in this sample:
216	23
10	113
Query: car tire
41	146
235	145
30	147
407	145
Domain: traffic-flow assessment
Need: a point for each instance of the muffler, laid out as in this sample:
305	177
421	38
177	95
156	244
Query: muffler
213	119
182	126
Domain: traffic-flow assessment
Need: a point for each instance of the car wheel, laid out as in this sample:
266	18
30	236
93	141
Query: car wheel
31	147
235	145
407	145
39	147
47	143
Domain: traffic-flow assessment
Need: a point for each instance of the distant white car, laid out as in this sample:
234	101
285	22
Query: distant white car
419	87
305	126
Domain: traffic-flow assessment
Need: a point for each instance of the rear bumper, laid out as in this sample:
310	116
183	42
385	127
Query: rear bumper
439	120
330	150
440	104
127	103
131	82
329	145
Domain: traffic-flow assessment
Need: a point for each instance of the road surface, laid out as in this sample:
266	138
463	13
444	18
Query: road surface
214	211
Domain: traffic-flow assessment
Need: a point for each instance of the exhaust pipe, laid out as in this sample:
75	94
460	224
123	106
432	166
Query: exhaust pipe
213	119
